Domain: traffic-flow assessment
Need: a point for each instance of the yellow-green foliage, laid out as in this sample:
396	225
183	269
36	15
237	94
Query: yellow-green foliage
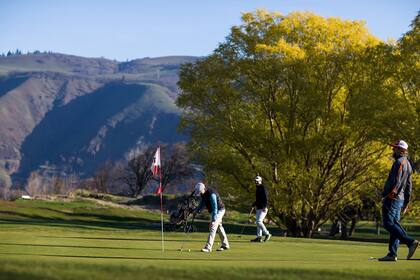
305	35
301	100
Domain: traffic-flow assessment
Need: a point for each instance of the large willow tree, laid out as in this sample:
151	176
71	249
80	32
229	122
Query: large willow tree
281	98
402	120
392	72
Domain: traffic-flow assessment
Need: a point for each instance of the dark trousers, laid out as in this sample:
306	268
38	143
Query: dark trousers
390	217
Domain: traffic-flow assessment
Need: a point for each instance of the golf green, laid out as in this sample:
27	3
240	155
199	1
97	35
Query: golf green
81	240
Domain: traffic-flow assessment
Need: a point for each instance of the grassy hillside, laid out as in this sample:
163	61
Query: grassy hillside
8	84
71	113
84	240
100	126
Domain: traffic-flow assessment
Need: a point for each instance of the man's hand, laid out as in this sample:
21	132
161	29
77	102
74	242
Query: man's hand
195	211
211	224
404	210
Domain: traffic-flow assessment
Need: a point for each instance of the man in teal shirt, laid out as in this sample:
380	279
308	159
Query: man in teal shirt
214	204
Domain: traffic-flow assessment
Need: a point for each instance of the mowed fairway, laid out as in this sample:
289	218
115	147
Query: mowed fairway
81	240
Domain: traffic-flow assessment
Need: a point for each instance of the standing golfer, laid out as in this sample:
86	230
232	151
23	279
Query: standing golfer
211	199
261	206
395	199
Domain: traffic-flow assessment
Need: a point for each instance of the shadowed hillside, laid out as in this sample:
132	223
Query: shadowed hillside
8	84
101	126
73	113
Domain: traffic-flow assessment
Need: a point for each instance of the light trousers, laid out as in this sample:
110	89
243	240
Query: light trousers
217	226
260	215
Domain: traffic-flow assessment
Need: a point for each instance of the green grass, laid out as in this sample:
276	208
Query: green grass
83	240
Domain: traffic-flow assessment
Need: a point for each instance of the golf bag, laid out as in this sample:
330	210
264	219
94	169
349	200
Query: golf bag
178	219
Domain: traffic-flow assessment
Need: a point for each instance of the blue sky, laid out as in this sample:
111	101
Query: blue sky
129	29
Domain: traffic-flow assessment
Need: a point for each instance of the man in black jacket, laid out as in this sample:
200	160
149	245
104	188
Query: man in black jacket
261	206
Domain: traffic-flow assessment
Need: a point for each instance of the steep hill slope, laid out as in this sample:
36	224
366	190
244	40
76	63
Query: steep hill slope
72	113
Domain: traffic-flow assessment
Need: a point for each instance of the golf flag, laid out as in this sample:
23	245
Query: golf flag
159	189
157	168
156	162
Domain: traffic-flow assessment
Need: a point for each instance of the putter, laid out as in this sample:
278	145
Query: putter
186	229
249	217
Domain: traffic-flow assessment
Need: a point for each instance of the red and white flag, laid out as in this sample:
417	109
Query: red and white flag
156	162
159	189
156	168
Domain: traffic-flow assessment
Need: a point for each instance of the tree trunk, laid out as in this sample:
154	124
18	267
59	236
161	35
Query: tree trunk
378	226
308	228
353	226
334	228
344	232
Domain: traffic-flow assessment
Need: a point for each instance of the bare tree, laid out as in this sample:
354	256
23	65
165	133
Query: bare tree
58	185
136	174
175	163
104	177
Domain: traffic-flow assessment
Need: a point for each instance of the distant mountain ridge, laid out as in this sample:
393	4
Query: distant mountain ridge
71	64
73	113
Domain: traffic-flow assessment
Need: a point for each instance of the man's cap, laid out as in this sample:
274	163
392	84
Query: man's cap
199	187
258	180
400	144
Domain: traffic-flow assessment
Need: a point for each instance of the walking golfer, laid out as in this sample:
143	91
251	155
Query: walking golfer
214	204
395	199
261	206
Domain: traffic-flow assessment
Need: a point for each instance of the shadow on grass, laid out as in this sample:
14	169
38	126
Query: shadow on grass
106	221
238	229
355	239
99	221
143	239
118	239
241	259
77	246
106	217
372	237
113	257
95	271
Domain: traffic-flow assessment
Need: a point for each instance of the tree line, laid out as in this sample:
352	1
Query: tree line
19	52
131	176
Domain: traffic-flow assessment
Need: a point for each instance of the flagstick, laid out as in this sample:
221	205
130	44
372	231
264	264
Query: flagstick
161	208
161	221
157	167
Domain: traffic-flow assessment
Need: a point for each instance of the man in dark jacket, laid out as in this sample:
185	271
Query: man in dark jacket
214	204
261	206
395	199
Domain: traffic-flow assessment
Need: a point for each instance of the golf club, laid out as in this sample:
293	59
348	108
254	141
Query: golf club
187	228
249	217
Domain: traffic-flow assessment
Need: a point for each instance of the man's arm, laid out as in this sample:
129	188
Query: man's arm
199	207
394	179
213	201
265	196
407	193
